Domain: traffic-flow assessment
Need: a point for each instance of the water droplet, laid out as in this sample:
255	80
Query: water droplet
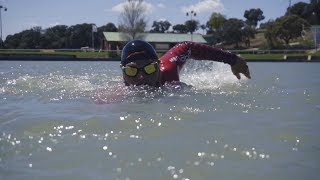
118	170
49	149
175	176
181	171
105	148
82	136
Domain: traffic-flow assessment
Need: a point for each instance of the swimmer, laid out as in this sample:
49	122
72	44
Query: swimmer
141	66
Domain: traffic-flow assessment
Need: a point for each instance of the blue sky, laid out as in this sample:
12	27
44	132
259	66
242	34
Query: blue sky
24	14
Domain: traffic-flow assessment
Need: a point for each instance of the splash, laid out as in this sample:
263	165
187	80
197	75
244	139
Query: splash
207	75
197	77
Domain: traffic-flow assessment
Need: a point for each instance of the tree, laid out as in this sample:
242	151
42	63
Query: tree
286	28
271	33
132	18
180	28
13	41
299	9
109	27
99	36
308	11
215	22
232	31
266	24
160	26
253	16
290	27
54	37
29	39
80	35
192	25
203	27
314	8
248	33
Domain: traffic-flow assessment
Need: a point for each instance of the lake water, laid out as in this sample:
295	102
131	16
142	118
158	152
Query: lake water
76	120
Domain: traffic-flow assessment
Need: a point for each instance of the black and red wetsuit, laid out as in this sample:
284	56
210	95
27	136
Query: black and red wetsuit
172	62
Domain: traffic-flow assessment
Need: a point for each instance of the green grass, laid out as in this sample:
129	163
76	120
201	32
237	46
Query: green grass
271	56
77	54
109	54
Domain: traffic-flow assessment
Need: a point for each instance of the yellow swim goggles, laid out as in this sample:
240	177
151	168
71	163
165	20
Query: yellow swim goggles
132	71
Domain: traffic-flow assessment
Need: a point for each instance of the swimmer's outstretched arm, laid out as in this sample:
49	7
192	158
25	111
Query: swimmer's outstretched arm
197	51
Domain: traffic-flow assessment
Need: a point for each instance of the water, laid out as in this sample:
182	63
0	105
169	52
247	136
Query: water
76	120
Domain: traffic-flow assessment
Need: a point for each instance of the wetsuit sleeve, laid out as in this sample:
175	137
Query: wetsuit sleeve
205	52
175	58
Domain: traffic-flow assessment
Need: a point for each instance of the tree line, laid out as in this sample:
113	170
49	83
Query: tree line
297	19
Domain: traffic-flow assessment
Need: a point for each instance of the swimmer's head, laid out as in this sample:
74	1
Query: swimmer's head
137	50
140	64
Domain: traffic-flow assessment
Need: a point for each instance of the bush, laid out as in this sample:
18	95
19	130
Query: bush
113	54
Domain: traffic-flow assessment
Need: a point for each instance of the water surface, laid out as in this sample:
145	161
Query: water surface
76	120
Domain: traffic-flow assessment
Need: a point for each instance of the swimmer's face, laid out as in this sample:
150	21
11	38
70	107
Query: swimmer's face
141	72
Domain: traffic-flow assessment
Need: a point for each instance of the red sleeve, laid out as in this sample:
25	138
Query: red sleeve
176	57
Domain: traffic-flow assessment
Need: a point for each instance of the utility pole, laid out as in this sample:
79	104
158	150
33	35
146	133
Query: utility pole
289	8
94	30
191	13
5	9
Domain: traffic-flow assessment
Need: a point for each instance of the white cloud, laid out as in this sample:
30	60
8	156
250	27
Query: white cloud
205	6
162	19
29	25
160	5
54	24
119	8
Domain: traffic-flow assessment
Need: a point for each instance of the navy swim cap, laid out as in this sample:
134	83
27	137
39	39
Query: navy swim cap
137	50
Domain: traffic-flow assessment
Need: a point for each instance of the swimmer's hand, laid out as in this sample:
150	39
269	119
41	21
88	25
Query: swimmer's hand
240	67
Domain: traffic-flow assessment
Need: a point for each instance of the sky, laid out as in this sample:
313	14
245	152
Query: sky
25	14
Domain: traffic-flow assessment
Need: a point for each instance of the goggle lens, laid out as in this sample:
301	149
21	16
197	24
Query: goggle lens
149	69
132	71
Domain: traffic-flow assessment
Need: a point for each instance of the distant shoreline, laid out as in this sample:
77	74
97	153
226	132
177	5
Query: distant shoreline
51	57
56	57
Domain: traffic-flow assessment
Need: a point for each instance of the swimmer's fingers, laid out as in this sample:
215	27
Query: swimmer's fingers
241	67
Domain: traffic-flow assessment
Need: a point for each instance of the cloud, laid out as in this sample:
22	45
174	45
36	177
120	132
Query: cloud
54	24
29	25
160	5
120	7
162	19
205	6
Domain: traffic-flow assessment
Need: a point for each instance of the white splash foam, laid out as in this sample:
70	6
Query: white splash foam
208	74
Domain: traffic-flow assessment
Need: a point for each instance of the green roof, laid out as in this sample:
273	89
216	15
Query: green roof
154	37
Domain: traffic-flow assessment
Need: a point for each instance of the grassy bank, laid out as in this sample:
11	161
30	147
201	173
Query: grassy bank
104	54
73	53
